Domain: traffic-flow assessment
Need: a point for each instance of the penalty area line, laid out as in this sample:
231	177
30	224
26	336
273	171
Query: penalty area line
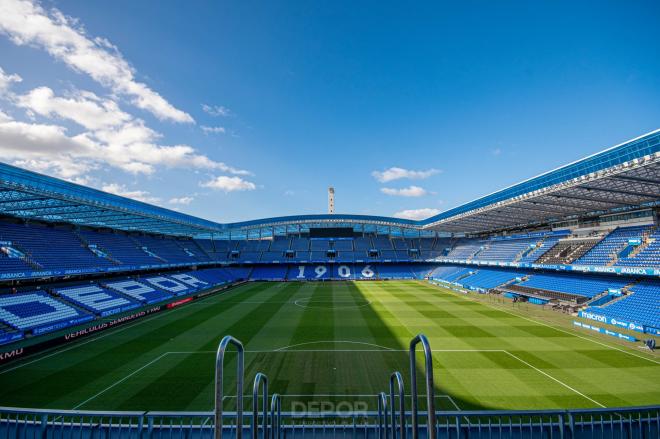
554	379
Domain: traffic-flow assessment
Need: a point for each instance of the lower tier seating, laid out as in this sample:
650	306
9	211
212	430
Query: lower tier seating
92	297
581	285
641	306
39	312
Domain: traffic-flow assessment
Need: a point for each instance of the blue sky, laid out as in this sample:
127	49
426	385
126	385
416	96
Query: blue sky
241	110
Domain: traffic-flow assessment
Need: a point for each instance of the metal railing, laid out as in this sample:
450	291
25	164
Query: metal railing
430	390
219	381
632	422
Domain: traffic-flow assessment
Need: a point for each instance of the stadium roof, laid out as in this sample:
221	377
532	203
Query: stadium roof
621	178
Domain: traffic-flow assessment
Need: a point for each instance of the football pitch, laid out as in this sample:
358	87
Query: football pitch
323	344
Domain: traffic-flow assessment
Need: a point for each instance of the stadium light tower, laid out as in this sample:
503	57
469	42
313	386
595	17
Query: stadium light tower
331	200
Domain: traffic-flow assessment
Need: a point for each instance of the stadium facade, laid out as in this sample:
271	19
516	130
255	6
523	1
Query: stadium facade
583	238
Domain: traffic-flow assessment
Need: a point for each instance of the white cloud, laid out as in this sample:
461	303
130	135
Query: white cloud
6	80
84	108
27	23
113	138
212	130
411	191
417	214
121	190
216	110
496	151
182	200
396	173
229	184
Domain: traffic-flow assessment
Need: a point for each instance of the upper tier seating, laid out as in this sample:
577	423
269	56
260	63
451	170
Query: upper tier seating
539	250
253	245
649	256
381	242
50	248
190	246
273	256
387	255
120	247
607	250
465	249
279	244
299	244
642	306
39	312
363	243
346	256
319	244
426	243
210	248
343	245
13	265
504	250
400	244
92	297
166	248
568	250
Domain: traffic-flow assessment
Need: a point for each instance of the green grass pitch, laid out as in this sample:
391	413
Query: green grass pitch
335	342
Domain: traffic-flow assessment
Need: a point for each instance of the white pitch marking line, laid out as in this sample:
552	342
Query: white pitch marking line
121	380
284	348
338	350
555	379
309	304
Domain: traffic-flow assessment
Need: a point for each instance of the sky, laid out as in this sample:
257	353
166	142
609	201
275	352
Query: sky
237	110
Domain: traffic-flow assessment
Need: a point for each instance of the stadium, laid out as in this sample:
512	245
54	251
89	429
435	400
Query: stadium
114	310
329	220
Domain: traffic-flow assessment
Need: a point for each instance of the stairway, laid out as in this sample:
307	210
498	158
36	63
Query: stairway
96	249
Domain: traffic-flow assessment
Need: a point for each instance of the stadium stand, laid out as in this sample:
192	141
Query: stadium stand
50	248
607	251
568	250
39	313
269	272
465	249
641	305
396	271
505	250
541	248
490	278
100	301
121	248
168	285
576	287
647	254
343	245
449	273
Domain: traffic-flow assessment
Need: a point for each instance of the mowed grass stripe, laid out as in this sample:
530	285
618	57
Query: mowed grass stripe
264	317
52	383
456	373
576	362
170	384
